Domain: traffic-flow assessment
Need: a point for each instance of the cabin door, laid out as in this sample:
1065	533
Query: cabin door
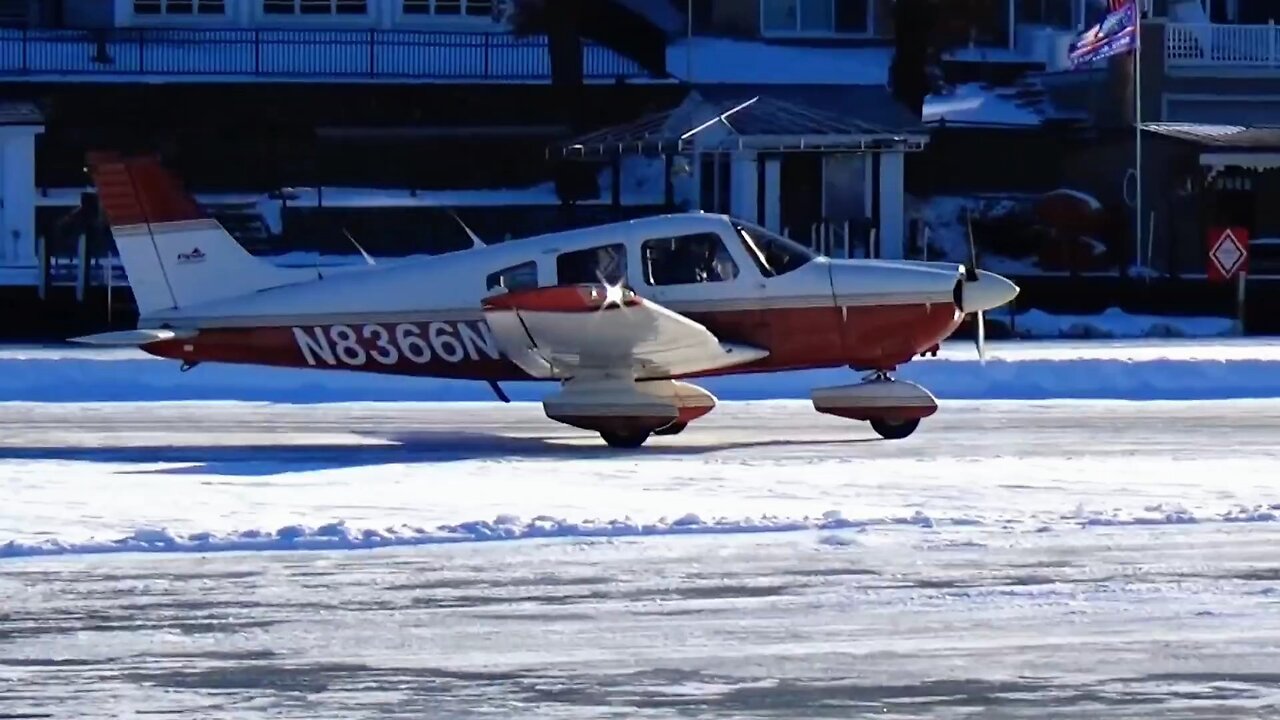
700	277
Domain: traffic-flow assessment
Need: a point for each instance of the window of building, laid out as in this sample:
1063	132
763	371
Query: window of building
315	7
687	259
816	17
179	7
517	277
449	8
604	264
1053	13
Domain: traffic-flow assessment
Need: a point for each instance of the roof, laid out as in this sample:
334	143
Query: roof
868	106
762	117
20	113
1221	136
662	13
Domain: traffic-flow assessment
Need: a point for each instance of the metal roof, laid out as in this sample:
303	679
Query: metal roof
732	117
1222	136
20	113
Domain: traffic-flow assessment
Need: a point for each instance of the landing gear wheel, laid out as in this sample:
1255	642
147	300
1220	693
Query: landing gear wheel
894	429
624	440
674	428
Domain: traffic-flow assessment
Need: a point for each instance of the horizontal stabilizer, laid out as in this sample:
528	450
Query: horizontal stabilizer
134	338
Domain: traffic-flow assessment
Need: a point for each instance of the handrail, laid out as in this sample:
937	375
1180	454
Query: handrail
299	53
1211	44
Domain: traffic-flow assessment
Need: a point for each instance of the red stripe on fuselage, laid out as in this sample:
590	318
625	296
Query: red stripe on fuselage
881	337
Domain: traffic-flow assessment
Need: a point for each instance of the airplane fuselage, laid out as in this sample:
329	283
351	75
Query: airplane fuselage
618	314
424	318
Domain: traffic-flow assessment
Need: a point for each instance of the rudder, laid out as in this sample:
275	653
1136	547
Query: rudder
174	254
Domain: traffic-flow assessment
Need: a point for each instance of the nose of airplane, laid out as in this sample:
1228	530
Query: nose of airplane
988	291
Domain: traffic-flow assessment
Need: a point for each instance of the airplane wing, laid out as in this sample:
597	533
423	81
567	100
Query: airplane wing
576	330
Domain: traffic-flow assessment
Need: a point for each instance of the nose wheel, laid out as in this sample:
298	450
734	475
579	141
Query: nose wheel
894	429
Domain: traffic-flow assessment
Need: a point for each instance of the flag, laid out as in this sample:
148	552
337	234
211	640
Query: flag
1116	34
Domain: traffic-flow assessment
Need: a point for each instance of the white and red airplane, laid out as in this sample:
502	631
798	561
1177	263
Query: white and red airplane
620	315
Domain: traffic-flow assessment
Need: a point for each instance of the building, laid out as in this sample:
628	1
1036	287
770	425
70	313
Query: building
304	120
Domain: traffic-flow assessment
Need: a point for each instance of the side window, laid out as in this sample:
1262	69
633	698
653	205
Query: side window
687	259
517	277
607	264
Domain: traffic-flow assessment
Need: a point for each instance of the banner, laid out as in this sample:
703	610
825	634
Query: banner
1116	34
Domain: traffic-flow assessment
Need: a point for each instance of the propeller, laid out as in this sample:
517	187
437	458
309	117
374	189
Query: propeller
971	276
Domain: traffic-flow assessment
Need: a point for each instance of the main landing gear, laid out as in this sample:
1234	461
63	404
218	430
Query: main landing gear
627	414
634	439
893	407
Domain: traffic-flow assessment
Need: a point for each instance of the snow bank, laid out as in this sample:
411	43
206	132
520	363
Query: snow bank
339	536
1027	370
976	105
1113	323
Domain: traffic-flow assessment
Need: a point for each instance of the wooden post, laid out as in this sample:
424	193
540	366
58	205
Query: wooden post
43	266
82	267
108	270
1241	281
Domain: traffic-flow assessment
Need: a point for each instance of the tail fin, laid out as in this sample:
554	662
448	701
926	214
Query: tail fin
174	254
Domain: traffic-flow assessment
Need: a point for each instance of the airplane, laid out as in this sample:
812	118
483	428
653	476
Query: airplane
623	316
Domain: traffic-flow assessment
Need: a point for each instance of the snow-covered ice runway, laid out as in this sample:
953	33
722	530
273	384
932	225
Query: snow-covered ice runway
1012	559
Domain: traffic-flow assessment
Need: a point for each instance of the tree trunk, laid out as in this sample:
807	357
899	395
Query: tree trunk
914	22
564	47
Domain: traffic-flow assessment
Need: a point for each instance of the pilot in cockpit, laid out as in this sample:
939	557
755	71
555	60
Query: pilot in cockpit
611	266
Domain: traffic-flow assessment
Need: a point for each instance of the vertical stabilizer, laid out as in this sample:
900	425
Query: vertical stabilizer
174	254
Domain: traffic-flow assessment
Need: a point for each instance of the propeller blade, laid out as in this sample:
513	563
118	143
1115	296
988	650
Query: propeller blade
971	268
981	338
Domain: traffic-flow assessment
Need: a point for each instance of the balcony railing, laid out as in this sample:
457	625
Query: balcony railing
343	54
1205	44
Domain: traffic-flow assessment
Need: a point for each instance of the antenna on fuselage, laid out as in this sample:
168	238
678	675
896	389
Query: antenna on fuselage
476	242
365	255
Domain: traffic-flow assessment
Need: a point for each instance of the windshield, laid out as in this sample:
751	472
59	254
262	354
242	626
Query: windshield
773	254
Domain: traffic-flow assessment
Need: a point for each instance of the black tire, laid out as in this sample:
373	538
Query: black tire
674	428
894	429
627	441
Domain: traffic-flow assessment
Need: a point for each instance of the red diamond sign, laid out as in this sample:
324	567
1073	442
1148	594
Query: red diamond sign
1228	252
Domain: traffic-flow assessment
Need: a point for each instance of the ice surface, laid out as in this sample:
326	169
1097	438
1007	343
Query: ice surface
207	477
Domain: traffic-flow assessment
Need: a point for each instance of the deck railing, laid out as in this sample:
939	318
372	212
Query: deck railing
1207	44
346	54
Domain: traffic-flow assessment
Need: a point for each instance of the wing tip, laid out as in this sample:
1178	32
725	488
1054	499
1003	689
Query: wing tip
132	338
564	299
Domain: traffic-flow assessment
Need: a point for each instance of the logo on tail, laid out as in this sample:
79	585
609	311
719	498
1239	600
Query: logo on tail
195	256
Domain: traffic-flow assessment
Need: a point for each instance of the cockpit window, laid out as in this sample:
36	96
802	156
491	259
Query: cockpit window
772	253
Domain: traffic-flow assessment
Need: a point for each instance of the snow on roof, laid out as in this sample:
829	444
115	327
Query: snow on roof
721	60
972	104
20	113
1256	136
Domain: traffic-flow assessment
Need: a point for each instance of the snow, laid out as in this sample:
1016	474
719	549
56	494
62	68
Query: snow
1241	368
723	60
1114	554
204	477
1113	323
977	105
